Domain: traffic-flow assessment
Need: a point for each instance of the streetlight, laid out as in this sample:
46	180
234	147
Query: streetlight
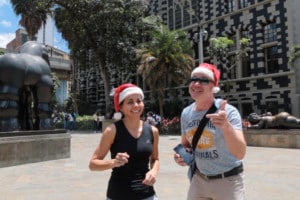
202	32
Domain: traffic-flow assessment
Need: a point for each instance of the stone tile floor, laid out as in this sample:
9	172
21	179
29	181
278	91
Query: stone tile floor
270	174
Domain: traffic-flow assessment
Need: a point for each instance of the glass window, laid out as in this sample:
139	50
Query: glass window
272	106
244	3
245	34
271	62
186	15
171	18
233	46
231	5
270	33
231	67
246	67
178	19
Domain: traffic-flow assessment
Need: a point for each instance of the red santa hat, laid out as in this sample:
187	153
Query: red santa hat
123	91
211	72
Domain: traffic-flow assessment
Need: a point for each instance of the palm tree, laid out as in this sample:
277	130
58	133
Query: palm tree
166	59
32	17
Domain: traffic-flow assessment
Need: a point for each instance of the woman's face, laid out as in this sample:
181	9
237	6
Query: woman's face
132	105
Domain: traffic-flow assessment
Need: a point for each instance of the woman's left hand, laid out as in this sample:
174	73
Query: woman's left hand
150	178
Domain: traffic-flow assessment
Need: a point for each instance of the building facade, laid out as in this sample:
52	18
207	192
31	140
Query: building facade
263	81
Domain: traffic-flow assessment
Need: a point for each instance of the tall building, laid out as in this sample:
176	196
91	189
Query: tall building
46	33
263	82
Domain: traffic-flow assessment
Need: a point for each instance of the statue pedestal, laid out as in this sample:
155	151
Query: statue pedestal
278	138
23	147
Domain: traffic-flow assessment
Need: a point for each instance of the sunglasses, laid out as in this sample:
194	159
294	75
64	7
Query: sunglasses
202	81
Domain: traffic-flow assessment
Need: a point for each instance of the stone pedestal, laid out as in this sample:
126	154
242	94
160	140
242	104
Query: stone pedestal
279	138
33	146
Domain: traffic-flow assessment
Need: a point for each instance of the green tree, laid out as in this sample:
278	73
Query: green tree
219	48
106	30
166	59
33	14
294	54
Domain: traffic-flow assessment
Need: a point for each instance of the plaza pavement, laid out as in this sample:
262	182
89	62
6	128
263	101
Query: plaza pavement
270	174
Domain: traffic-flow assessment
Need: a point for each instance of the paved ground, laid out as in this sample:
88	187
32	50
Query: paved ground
271	174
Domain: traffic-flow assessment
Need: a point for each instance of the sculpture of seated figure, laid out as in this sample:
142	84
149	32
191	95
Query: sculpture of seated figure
26	89
281	120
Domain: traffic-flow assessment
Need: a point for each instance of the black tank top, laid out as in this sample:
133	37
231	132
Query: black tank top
126	182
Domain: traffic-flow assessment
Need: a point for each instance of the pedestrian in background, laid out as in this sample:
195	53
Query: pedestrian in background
96	122
100	120
221	148
133	146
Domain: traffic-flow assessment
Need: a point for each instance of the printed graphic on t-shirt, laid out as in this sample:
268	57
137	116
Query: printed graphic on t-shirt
205	141
205	145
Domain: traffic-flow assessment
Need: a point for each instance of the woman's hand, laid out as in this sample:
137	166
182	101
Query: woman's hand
150	178
121	159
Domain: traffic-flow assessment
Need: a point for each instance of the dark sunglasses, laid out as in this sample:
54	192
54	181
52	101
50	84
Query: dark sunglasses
202	81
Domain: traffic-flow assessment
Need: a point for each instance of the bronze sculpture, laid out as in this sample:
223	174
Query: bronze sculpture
281	120
26	89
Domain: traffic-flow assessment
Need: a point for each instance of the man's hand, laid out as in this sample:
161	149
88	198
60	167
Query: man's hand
219	119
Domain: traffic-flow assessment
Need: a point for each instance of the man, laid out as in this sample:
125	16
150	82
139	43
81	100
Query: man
221	147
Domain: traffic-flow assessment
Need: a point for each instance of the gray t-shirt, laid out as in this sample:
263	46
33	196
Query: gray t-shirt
211	153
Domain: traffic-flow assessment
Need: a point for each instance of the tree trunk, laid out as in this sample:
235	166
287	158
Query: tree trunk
161	103
105	77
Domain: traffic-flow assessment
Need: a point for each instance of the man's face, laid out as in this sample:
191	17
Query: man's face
200	86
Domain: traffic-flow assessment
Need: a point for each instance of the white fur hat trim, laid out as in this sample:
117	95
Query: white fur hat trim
129	91
205	71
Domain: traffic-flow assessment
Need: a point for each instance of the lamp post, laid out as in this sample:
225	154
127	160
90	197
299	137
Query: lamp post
201	33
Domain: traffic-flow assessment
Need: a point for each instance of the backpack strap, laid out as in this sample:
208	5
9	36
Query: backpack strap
201	126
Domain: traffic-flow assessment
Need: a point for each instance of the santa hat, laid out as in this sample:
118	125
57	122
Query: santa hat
211	72
123	91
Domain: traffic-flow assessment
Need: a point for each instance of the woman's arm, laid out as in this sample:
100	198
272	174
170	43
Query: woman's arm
151	175
97	162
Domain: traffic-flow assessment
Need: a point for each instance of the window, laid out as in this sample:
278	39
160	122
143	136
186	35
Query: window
271	60
171	18
231	5
243	3
270	33
246	67
247	109
233	46
231	67
272	106
178	19
186	15
245	34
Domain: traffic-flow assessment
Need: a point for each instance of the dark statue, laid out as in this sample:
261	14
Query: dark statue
26	89
281	120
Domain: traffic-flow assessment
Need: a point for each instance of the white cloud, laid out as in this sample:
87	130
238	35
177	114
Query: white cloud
5	23
6	38
4	2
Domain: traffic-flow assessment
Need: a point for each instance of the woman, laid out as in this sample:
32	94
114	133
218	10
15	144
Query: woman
133	145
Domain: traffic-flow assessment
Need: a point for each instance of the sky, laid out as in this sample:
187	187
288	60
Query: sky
9	23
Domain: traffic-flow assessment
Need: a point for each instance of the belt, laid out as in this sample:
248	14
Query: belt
232	172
